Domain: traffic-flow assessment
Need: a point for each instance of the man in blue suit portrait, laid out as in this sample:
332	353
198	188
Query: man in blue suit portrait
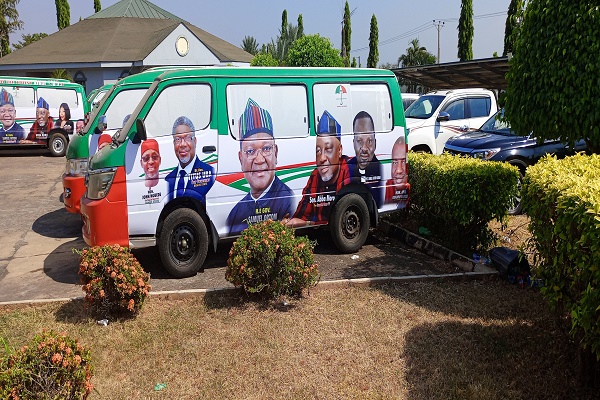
192	177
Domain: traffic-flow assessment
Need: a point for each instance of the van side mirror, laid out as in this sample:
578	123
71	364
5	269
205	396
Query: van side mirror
140	133
444	116
102	125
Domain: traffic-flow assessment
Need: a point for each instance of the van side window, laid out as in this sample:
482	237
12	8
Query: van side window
344	101
121	106
479	106
193	101
285	104
456	109
22	96
55	97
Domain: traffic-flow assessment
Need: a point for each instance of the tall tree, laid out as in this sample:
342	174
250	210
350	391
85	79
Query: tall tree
300	27
346	35
284	24
313	51
63	14
9	23
97	6
373	58
465	31
28	39
250	45
553	85
280	46
515	13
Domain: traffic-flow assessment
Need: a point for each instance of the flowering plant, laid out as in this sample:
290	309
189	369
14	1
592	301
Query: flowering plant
113	279
52	365
269	259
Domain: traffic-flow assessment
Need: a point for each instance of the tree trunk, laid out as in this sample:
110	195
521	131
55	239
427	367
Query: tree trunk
589	369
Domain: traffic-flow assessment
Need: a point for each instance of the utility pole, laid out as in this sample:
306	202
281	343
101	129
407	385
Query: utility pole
438	25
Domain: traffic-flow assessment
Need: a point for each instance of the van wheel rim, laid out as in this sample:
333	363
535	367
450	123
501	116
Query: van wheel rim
183	243
351	224
58	146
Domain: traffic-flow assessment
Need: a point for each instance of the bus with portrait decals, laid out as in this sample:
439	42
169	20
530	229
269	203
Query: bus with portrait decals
209	151
40	112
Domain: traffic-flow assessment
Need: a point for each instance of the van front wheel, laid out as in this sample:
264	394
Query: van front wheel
350	223
183	243
57	144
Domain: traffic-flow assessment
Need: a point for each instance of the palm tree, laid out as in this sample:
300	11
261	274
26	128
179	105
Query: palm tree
415	55
250	45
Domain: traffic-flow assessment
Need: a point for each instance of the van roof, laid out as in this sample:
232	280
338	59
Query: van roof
458	91
272	72
29	81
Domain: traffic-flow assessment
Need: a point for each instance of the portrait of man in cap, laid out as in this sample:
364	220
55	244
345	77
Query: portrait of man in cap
396	190
192	177
42	125
150	161
269	197
10	131
365	164
330	175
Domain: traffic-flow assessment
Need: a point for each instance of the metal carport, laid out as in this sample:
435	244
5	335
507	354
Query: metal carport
487	73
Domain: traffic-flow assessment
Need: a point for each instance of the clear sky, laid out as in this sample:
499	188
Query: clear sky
399	21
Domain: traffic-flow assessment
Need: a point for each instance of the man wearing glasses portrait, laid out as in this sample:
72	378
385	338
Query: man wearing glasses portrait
192	177
269	197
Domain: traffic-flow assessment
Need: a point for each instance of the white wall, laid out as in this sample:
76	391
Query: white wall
166	54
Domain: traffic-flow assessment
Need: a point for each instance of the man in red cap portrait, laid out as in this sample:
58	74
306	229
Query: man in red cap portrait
150	161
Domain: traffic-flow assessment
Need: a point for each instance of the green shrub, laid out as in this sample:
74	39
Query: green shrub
113	280
562	199
51	366
268	259
461	194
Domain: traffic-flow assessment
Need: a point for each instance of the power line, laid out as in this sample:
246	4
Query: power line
426	26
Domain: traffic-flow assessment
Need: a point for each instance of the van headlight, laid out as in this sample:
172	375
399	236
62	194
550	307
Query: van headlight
77	166
485	154
98	183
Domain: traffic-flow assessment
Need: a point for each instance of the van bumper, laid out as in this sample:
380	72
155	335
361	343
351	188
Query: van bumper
73	189
105	220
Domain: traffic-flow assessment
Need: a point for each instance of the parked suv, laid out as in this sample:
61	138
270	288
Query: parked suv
436	116
496	141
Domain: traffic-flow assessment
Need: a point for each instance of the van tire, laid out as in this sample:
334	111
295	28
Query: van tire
57	143
183	243
350	222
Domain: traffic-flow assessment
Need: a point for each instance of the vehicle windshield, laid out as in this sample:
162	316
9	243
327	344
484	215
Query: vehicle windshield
424	106
497	125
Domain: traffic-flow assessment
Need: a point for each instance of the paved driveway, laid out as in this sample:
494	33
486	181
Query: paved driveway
37	238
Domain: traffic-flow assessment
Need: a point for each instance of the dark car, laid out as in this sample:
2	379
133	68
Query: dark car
496	141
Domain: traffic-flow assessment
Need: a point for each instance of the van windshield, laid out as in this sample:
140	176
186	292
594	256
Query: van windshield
424	106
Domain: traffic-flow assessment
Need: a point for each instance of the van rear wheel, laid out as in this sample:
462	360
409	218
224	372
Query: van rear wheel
57	144
350	223
183	243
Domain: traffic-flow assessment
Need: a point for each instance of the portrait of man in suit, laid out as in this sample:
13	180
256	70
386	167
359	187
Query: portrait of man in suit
192	177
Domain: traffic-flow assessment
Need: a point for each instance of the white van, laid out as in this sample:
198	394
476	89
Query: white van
437	116
40	112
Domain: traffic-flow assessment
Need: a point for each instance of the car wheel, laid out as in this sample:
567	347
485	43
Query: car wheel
183	243
516	207
57	144
350	223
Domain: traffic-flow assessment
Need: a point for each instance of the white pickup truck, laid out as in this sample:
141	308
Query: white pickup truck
437	116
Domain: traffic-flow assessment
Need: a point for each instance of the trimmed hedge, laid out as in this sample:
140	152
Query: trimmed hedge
562	199
462	192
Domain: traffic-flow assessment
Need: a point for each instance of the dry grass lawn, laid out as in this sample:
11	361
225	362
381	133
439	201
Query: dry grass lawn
417	341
